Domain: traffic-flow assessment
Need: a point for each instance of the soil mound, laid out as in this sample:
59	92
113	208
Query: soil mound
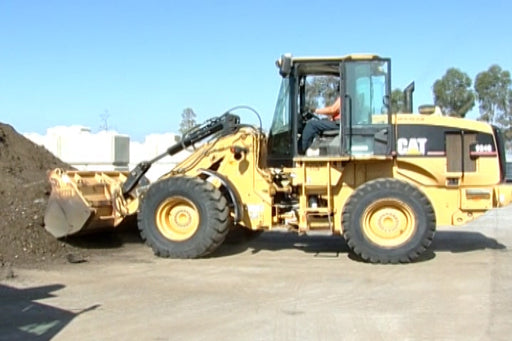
24	192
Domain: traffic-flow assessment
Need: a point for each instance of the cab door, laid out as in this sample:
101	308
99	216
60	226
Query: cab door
367	126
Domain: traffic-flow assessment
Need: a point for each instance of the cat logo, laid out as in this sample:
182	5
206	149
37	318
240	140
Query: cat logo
411	146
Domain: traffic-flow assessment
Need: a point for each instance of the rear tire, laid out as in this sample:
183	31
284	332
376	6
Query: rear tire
388	221
183	217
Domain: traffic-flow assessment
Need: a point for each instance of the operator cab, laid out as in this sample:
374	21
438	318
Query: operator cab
363	84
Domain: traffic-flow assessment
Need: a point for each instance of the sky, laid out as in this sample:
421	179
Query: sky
136	65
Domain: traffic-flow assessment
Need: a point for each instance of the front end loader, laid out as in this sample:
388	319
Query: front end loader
383	180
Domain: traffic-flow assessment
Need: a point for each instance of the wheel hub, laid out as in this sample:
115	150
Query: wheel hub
388	223
177	218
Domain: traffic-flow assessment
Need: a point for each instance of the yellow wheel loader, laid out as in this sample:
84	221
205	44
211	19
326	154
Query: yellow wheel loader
382	180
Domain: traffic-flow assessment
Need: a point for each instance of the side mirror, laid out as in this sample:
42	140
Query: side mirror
285	65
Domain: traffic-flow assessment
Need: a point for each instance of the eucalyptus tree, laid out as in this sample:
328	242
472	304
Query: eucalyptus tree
453	93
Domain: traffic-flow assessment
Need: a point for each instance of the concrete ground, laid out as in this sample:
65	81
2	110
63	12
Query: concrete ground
278	287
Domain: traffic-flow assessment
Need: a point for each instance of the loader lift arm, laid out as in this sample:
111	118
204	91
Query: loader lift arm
225	123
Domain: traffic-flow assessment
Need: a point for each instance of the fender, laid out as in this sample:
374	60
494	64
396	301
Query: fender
233	193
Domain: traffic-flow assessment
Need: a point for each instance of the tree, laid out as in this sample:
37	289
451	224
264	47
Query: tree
453	93
321	90
504	121
188	120
493	92
397	101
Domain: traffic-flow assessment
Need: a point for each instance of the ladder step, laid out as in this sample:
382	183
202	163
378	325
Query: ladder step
318	210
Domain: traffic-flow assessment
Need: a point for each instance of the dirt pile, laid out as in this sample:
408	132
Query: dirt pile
24	192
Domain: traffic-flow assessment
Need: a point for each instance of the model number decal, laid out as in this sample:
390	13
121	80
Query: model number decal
412	146
483	148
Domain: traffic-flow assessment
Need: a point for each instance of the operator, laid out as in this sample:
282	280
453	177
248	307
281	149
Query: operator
315	127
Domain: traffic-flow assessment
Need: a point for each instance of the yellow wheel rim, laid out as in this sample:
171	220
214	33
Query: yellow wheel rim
389	223
177	219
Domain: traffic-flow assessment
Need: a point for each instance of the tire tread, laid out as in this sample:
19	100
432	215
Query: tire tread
369	253
209	235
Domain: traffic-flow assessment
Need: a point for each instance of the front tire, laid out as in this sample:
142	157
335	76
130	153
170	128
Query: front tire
388	221
183	217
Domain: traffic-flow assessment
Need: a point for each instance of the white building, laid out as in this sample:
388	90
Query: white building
107	150
154	145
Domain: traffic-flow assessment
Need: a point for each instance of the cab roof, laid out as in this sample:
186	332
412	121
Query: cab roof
327	59
324	65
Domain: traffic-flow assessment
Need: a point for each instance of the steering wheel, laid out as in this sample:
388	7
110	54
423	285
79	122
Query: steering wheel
304	117
308	115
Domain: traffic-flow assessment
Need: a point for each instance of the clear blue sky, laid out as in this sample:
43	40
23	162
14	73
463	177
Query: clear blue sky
65	62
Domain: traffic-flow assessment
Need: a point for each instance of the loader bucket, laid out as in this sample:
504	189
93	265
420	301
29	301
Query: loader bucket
84	201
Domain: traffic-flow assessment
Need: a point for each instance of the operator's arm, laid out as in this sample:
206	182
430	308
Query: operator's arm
331	110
